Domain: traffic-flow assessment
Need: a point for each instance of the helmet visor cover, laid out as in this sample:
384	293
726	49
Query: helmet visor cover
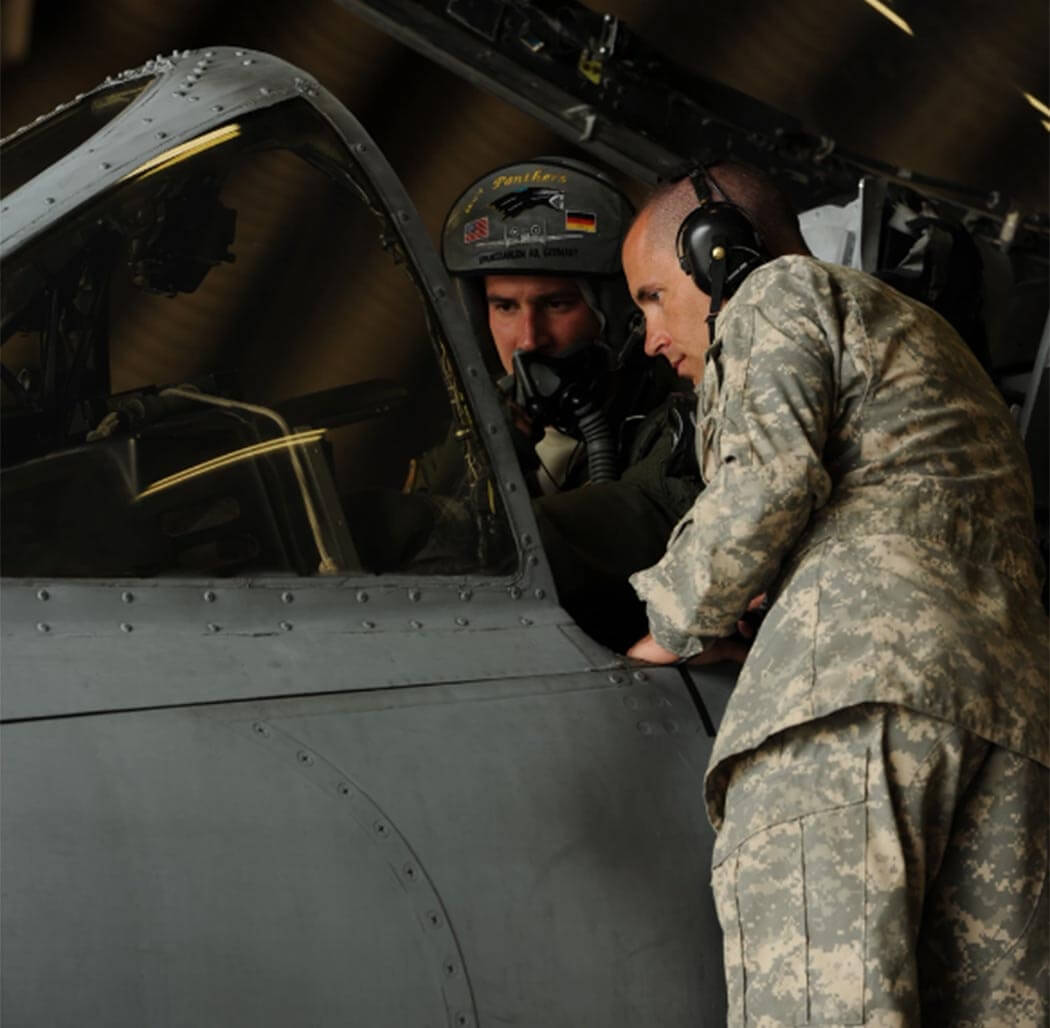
543	217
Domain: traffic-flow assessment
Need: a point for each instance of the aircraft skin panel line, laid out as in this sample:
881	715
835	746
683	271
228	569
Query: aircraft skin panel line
394	849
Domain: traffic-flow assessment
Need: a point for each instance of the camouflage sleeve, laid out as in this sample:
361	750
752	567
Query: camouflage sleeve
765	410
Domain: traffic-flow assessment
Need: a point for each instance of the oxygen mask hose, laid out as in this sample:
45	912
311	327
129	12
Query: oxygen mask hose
566	392
598	440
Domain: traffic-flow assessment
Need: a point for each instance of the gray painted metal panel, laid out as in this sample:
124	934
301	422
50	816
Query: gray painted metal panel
57	677
256	607
212	885
529	853
71	648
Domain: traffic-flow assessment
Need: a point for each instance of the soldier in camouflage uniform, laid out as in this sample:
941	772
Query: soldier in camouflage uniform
879	782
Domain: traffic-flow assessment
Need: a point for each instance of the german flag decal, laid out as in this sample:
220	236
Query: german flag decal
581	221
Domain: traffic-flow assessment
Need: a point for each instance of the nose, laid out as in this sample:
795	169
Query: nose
656	339
533	330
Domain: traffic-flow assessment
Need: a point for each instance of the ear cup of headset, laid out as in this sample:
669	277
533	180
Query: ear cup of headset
713	229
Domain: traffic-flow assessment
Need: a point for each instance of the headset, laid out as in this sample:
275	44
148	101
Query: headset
718	246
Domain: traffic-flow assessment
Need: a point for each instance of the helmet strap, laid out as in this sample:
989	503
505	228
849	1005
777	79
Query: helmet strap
590	297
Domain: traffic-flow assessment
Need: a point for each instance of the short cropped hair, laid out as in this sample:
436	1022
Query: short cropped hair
752	190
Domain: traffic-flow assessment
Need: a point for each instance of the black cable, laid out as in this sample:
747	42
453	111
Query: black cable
694	694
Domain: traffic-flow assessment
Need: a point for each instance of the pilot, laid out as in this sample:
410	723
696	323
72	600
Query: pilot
534	250
879	782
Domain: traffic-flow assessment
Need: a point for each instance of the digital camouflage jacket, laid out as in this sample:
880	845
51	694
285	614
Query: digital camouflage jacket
864	472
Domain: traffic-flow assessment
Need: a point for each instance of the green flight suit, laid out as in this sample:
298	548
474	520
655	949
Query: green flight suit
597	534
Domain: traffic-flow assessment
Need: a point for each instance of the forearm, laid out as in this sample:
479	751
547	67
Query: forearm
765	410
728	549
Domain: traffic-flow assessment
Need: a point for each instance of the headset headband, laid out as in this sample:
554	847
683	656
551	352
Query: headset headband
717	244
705	185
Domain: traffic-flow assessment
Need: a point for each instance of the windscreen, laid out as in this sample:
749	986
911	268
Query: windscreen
191	386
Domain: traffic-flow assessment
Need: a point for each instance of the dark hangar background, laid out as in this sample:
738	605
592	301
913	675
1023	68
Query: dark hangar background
948	101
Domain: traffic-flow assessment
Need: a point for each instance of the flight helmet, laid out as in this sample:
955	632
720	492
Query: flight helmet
547	216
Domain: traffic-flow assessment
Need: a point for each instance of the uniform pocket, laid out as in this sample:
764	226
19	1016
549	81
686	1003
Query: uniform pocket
790	893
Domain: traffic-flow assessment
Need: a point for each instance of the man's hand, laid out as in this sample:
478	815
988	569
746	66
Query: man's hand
734	648
648	649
